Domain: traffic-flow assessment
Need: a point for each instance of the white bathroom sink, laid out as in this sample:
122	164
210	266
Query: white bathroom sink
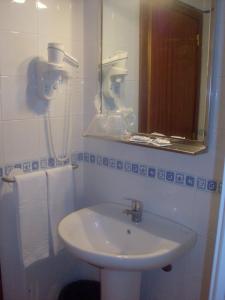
104	236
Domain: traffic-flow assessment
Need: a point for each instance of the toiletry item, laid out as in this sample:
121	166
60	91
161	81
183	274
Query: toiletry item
161	142
140	139
61	198
157	134
32	209
178	137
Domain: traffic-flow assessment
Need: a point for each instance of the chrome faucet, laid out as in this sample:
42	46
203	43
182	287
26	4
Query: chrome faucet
135	211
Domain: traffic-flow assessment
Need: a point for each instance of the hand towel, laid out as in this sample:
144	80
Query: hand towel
32	208
60	200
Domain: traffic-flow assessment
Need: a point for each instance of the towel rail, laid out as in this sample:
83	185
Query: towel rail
9	179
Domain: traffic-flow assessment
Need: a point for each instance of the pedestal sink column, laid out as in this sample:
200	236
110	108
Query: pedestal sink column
120	285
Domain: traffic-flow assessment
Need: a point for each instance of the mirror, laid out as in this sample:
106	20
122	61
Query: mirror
155	72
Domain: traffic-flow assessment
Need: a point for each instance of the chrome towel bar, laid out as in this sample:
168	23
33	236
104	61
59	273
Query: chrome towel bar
10	179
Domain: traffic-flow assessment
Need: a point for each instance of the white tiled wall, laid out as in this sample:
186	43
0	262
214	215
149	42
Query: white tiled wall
25	31
189	279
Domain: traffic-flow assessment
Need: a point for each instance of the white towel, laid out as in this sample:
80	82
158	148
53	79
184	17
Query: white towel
60	200
32	217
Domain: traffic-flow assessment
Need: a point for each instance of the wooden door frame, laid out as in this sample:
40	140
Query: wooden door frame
145	61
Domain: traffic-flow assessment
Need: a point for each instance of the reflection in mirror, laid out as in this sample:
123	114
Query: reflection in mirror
155	69
173	67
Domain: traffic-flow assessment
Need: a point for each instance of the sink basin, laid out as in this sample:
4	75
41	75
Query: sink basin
104	236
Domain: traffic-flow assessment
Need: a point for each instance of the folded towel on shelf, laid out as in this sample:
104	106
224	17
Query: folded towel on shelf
60	200
32	209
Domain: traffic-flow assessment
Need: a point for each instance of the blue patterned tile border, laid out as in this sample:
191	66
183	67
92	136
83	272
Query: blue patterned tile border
119	165
153	172
112	163
45	163
161	174
51	162
127	166
143	170
133	168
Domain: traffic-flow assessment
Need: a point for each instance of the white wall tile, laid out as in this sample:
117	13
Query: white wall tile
77	24
57	18
90	91
92	59
17	52
12	16
92	20
21	140
1	144
19	98
76	94
59	134
1	97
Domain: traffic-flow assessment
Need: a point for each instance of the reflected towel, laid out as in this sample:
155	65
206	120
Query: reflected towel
60	200
31	191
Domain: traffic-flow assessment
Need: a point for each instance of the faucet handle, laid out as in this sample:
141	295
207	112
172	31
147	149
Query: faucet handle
136	205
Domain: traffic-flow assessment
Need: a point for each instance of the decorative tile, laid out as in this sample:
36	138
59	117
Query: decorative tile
143	170
105	161
18	166
8	169
211	185
135	168
66	162
80	156
86	157
179	178
161	174
51	162
151	172
119	165
128	166
92	158
99	160
27	167
190	181
74	158
170	176
201	184
59	163
44	163
112	163
35	165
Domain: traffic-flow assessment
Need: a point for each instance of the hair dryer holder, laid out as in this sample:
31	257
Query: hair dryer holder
49	78
52	73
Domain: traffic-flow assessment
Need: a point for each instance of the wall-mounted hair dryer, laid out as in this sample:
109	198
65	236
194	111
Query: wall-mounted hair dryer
53	72
57	55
